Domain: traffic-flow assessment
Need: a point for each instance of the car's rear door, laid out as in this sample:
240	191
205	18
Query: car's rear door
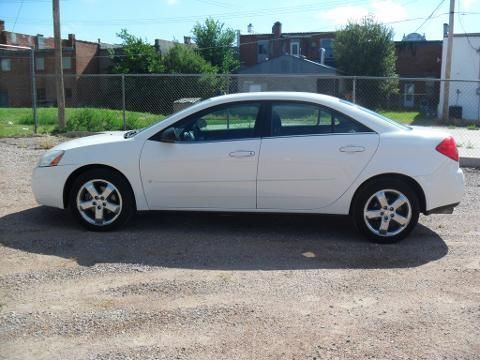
212	164
312	156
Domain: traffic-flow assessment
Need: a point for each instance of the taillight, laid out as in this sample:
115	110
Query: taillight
448	147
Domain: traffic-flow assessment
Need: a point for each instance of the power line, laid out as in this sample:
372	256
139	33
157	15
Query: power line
254	42
464	31
430	16
18	14
221	15
245	43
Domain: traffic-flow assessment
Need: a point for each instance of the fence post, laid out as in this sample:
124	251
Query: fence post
123	103
34	91
354	90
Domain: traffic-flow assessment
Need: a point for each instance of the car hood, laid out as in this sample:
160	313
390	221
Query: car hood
102	138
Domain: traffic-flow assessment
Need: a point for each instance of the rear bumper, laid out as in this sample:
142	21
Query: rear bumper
444	189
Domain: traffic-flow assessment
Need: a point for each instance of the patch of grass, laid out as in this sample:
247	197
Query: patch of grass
46	142
19	121
473	127
409	117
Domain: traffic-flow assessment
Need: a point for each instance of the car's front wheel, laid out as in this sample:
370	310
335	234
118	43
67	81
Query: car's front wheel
386	211
101	199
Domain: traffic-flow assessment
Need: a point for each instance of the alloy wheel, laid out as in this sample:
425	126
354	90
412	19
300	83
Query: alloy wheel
387	212
99	202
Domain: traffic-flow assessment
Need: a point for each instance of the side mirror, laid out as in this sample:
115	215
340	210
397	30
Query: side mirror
168	135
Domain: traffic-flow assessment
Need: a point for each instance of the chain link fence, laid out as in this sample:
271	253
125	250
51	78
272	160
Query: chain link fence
115	101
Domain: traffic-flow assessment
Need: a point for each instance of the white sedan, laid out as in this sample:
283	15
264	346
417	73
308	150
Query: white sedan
285	152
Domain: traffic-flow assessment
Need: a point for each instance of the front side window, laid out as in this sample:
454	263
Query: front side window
236	121
290	119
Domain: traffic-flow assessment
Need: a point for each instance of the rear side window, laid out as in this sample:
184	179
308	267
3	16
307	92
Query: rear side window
291	118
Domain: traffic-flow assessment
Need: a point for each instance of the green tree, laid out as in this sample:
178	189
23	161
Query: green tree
367	49
215	44
183	59
136	57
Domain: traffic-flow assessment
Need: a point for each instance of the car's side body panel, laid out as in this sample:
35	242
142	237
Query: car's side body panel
411	154
218	174
109	149
311	172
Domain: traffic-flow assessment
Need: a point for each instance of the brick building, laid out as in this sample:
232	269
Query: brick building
416	58
257	48
419	58
79	57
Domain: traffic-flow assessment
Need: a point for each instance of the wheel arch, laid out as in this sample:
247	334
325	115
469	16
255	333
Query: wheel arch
416	187
71	178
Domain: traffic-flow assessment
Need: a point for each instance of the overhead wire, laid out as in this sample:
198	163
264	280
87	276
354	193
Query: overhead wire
429	17
18	15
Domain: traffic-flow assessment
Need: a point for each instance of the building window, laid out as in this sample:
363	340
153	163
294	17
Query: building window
295	48
327	44
68	93
262	50
40	64
67	63
41	95
6	65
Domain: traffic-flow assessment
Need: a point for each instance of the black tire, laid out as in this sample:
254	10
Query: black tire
124	198
365	194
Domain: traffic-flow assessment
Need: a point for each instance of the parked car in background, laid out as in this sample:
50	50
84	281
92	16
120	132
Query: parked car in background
284	152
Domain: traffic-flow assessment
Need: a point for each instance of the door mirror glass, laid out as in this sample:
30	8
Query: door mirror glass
168	135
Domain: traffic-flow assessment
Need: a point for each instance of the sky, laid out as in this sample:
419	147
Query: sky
173	19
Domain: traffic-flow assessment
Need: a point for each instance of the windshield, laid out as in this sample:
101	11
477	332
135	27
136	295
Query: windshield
377	115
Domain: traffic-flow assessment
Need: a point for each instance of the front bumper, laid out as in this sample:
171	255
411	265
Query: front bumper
48	184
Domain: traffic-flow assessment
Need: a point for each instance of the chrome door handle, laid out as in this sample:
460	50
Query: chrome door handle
352	149
241	154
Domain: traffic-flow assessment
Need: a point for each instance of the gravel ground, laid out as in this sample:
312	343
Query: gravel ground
218	286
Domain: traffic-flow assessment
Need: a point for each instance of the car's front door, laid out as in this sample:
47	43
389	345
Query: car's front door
210	162
312	156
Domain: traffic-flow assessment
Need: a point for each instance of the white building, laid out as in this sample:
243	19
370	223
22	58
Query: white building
465	66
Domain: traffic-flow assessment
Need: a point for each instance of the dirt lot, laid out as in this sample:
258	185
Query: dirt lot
232	287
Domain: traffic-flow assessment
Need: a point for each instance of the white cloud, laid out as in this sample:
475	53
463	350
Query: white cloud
468	5
383	10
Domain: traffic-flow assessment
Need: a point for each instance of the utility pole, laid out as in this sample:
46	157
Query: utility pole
448	61
58	65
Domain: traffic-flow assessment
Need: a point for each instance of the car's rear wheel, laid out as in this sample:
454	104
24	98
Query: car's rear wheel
386	211
101	200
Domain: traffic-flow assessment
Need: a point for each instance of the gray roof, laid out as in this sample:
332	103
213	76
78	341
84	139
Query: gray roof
289	64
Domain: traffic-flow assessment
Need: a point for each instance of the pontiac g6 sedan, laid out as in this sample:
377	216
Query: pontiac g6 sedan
273	152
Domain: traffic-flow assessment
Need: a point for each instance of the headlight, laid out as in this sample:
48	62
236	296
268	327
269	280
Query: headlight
51	158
